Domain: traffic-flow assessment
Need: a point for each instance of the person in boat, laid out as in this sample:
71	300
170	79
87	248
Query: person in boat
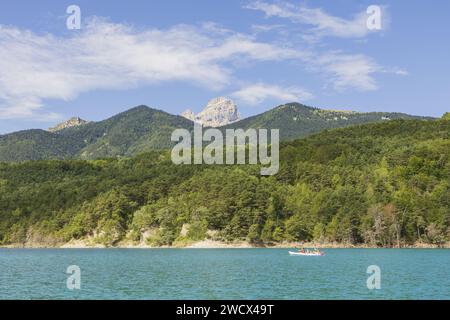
302	250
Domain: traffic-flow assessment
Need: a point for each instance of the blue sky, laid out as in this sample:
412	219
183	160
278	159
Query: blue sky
174	55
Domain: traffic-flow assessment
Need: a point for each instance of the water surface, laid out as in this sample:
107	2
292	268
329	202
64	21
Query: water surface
224	274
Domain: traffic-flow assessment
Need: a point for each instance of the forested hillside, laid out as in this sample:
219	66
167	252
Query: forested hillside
37	144
384	184
296	120
143	129
137	130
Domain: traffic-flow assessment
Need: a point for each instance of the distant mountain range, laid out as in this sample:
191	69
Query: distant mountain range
134	131
142	129
296	120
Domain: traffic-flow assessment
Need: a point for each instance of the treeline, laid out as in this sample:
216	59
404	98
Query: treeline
385	184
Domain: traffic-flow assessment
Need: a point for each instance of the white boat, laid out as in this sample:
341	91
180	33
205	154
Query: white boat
314	254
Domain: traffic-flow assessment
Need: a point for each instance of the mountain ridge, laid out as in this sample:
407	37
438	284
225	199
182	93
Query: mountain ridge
142	129
296	120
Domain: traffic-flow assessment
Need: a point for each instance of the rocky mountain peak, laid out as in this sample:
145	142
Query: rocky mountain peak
188	114
218	112
72	122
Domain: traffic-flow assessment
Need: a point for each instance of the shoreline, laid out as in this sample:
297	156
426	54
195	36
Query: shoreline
211	244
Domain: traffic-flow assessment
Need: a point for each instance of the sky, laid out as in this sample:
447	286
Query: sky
175	54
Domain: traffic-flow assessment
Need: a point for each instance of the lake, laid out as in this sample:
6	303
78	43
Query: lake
224	274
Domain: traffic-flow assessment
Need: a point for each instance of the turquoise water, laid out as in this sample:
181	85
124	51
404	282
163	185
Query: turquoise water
223	274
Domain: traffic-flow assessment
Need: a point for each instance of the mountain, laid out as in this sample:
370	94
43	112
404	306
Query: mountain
134	131
142	129
296	120
36	145
217	113
72	122
380	184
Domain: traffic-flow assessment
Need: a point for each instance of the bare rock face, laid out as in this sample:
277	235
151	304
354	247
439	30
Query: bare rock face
218	112
72	122
188	114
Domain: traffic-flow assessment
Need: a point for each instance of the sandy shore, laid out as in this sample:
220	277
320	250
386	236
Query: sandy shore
207	244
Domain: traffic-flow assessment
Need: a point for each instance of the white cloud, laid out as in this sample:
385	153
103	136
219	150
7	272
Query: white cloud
114	56
260	28
350	71
103	55
340	70
257	93
344	71
398	71
322	23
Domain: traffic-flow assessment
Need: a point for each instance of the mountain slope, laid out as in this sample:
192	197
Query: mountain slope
296	120
131	132
137	130
142	129
36	145
383	184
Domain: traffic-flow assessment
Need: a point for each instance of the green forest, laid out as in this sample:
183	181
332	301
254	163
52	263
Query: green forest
143	129
384	184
